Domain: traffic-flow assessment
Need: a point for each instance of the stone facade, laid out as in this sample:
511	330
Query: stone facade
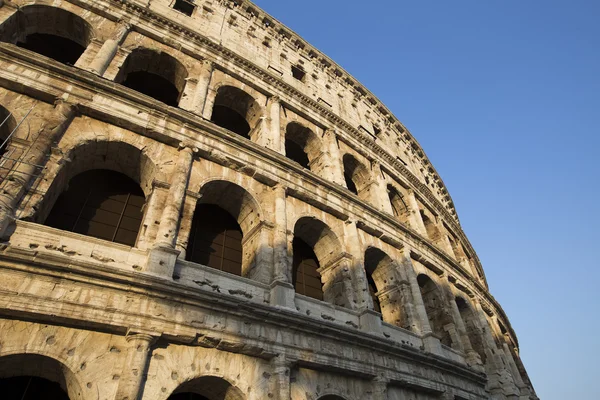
111	321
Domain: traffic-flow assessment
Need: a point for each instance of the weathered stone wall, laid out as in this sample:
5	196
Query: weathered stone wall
123	322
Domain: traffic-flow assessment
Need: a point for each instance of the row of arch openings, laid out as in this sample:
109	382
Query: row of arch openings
33	377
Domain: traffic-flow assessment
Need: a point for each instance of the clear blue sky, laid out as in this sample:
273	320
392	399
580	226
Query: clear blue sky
504	96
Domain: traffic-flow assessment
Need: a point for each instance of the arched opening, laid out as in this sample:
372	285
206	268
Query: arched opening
33	377
470	321
31	388
331	397
235	110
49	31
8	124
154	73
215	240
305	270
355	174
301	144
399	206
436	313
375	262
207	388
317	245
224	214
433	232
100	203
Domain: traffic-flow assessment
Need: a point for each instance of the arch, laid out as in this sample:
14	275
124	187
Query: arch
50	31
376	261
400	208
8	125
305	270
87	155
207	388
471	323
100	203
331	397
433	232
225	214
154	73
356	175
235	110
301	144
434	307
49	376
317	244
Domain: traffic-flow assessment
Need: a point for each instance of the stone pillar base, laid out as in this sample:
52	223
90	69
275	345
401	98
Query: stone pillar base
282	295
432	344
370	321
161	261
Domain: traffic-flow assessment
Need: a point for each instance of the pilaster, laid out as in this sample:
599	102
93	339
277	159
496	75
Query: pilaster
108	50
135	366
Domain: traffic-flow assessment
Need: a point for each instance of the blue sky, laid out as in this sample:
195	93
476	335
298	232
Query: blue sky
504	97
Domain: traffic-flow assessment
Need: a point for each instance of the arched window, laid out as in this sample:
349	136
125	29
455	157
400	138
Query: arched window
235	110
49	31
375	261
31	388
316	244
471	325
433	232
33	377
224	215
100	203
305	275
355	174
207	388
436	313
154	73
399	206
301	144
215	239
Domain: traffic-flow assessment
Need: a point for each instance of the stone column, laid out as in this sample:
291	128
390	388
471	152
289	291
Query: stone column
201	93
379	388
281	260
269	135
19	180
377	190
359	275
334	170
471	355
163	255
135	366
108	50
431	343
415	214
167	231
281	371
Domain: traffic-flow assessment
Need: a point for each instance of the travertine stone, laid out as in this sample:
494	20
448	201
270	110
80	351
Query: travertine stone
109	321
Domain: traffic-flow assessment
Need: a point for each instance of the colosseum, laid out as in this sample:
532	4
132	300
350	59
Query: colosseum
196	204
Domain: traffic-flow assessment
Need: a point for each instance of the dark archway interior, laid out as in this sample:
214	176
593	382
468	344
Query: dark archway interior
350	183
154	86
187	396
58	48
30	388
296	153
231	120
207	388
100	203
305	275
215	240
